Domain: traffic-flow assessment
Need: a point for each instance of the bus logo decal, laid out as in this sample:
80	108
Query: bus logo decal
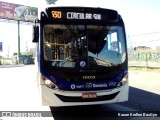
82	63
88	85
73	86
89	77
100	85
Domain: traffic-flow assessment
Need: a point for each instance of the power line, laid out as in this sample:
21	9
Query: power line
143	34
147	41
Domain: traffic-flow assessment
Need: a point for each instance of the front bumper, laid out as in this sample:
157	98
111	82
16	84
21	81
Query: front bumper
57	97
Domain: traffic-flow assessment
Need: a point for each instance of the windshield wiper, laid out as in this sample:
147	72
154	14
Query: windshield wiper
72	31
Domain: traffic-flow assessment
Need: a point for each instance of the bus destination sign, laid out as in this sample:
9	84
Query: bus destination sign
75	15
78	14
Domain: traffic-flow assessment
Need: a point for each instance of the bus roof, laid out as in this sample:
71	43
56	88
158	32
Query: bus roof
76	6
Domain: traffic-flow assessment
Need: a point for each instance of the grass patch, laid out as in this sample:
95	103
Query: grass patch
145	69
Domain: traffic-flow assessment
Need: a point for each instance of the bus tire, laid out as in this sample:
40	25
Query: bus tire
25	61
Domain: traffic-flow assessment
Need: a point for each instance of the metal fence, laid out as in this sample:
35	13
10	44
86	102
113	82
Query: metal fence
146	58
6	61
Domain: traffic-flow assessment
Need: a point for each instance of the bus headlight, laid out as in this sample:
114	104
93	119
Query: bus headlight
123	81
49	83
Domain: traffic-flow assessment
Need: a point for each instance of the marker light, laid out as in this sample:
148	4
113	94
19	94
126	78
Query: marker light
123	81
43	77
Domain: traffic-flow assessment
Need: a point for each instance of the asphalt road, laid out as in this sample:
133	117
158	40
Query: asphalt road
19	92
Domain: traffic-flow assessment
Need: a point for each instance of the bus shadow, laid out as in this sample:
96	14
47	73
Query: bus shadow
75	112
142	100
89	112
139	100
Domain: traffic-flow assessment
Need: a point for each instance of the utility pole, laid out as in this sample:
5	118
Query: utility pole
26	46
8	51
19	42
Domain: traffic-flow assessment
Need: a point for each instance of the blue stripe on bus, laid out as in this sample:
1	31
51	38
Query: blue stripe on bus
81	86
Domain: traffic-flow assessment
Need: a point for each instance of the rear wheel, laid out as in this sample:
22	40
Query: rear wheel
25	61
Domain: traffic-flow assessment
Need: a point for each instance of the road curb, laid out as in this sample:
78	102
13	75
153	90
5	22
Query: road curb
8	66
150	72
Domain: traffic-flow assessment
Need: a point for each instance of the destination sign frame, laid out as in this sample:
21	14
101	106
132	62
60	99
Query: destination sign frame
82	13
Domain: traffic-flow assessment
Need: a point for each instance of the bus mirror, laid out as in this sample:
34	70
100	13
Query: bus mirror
35	34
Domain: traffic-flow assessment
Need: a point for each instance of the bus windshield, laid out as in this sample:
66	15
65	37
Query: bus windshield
84	46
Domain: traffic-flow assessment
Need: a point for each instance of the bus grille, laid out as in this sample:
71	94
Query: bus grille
80	99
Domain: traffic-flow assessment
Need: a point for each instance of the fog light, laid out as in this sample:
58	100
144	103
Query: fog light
48	83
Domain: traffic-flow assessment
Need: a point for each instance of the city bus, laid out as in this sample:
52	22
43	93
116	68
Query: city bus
82	56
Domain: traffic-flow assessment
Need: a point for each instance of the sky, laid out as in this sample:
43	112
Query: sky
141	18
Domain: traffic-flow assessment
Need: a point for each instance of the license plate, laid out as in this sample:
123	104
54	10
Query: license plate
89	95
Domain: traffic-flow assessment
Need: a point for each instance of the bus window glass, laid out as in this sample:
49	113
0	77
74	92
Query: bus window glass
111	53
66	45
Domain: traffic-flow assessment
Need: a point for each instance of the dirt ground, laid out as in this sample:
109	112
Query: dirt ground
144	69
